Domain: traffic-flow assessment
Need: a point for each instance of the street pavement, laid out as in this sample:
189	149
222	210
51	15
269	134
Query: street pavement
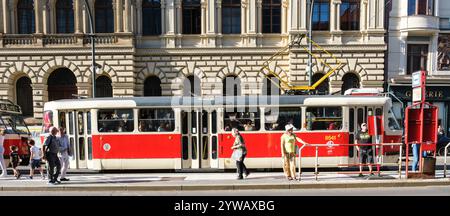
224	181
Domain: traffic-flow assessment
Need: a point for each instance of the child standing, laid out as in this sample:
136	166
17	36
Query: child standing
35	159
15	160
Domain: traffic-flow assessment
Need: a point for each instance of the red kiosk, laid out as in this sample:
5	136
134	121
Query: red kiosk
421	123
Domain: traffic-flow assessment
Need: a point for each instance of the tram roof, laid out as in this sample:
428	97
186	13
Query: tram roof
179	101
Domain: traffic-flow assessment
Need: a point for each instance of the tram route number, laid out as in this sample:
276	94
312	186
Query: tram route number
231	205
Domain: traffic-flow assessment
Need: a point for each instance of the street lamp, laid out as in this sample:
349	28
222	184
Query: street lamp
92	38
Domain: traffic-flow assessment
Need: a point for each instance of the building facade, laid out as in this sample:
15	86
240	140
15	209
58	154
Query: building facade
419	33
176	47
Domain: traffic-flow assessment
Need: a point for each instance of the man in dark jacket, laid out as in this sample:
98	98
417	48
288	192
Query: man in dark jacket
51	149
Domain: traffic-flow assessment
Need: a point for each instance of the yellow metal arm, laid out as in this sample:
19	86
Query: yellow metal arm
297	41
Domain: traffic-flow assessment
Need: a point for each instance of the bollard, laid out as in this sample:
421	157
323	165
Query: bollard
400	162
445	159
317	161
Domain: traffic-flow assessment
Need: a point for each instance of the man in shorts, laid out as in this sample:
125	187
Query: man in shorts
35	159
365	151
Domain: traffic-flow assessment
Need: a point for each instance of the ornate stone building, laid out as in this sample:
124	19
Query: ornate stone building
174	47
419	33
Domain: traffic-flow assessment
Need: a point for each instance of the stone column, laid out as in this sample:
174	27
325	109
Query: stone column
380	24
284	16
170	24
302	15
45	18
338	14
2	30
367	18
5	15
127	15
139	17
433	52
178	15
219	16
244	7
294	16
37	16
178	23
12	18
203	17
119	15
77	16
251	23
163	17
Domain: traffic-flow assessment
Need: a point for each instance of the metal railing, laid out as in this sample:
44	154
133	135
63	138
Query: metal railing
445	159
378	155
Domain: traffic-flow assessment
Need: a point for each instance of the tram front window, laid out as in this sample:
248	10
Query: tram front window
323	118
392	121
243	121
156	120
14	124
48	121
115	120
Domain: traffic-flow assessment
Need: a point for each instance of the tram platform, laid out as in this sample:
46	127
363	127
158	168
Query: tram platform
213	181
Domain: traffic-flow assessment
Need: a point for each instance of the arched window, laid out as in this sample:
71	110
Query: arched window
104	16
191	86
271	86
350	80
61	84
24	95
151	17
231	16
64	16
323	88
192	14
231	86
152	86
271	12
25	17
103	87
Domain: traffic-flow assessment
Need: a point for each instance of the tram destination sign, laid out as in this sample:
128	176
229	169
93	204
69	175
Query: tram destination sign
9	108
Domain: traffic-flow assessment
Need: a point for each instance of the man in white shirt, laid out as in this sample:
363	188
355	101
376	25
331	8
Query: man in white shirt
64	153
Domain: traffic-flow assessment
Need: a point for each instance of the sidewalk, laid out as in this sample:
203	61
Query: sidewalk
213	181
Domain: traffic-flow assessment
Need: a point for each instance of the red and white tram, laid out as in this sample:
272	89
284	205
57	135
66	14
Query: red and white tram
195	132
17	132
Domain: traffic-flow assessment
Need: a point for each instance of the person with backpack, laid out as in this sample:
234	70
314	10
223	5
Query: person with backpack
51	149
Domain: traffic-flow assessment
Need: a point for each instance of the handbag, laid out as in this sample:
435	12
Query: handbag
237	154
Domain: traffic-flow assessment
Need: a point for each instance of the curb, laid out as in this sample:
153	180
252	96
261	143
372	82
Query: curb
248	186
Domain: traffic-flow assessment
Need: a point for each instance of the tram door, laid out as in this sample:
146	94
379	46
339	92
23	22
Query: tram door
358	115
80	138
199	139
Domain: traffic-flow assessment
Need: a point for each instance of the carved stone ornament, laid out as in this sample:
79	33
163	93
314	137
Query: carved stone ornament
285	3
443	52
244	3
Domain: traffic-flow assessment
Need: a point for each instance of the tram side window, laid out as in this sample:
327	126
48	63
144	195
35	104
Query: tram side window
115	120
156	120
243	121
324	118
278	118
48	121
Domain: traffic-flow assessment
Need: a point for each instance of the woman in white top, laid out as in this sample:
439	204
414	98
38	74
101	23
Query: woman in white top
2	150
